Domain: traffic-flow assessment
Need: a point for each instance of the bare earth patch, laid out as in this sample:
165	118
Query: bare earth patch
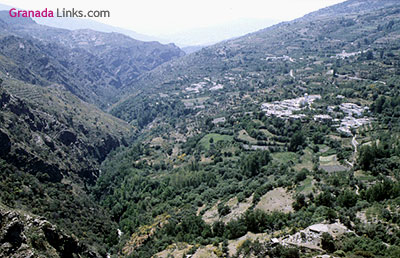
205	252
157	141
234	245
211	215
199	209
276	200
174	250
237	208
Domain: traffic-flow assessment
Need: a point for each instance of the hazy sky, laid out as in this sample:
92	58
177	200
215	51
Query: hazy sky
170	16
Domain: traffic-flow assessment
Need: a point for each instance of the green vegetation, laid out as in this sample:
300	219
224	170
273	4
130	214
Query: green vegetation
69	208
247	154
200	161
213	139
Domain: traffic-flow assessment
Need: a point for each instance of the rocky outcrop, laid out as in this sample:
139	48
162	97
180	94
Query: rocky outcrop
5	144
52	140
107	143
67	137
96	67
25	235
4	98
311	236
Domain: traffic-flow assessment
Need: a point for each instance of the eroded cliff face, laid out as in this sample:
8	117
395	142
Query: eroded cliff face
52	144
25	235
56	140
95	66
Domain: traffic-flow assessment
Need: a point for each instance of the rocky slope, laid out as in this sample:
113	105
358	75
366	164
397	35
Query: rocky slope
52	146
92	65
205	142
49	131
28	236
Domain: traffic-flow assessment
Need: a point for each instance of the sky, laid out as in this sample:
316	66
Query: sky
160	17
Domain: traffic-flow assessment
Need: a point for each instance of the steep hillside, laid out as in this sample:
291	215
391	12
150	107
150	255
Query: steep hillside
52	146
124	56
26	235
91	65
53	136
276	50
49	130
280	143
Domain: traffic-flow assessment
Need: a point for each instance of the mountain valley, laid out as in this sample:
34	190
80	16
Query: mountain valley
284	142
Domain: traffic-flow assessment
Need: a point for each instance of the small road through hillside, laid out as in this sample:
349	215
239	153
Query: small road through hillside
355	144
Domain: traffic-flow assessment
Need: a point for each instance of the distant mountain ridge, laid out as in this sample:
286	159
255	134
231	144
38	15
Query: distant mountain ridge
189	159
90	64
76	24
205	36
243	53
70	23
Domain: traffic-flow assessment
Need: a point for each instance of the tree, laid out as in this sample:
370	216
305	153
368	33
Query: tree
218	228
251	164
377	106
368	156
318	138
225	248
297	142
223	209
327	242
331	215
301	175
325	199
347	199
284	252
300	202
369	55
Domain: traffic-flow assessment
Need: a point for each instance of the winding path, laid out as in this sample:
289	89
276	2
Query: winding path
355	144
291	74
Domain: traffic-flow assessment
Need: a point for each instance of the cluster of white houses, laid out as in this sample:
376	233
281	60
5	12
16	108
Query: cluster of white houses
286	108
289	109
